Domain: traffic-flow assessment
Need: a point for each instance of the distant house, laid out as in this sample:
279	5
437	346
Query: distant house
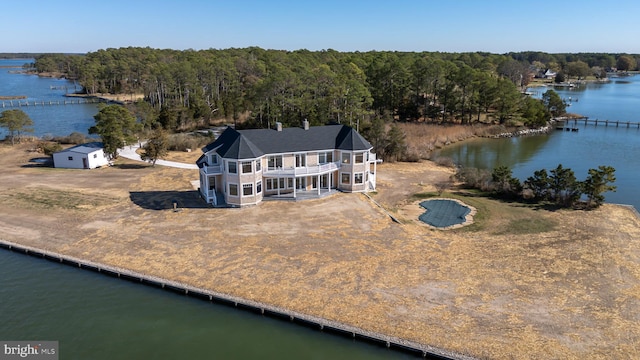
83	156
243	167
549	74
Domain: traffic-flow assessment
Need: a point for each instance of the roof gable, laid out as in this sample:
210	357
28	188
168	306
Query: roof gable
232	144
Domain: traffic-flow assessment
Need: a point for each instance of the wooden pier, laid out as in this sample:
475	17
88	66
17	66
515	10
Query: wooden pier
596	122
18	104
309	321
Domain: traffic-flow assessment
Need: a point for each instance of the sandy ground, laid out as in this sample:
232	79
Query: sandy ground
572	292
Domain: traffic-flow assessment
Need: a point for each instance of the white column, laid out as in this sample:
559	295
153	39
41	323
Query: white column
295	185
375	172
206	186
318	184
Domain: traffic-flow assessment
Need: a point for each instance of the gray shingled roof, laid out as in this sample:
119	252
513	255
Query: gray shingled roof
86	148
248	144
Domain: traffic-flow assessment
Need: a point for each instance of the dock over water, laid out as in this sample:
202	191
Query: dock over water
596	122
18	104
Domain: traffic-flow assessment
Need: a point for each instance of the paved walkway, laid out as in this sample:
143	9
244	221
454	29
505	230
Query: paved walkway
129	152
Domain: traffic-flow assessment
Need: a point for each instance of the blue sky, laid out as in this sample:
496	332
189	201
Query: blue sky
496	26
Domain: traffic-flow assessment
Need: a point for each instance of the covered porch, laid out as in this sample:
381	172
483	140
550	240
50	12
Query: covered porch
299	187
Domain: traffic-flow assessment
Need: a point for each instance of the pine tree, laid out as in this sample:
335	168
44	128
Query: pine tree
156	147
16	121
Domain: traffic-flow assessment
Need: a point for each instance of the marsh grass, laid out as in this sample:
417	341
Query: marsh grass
422	139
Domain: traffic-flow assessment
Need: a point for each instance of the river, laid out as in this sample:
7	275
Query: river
97	317
587	148
55	120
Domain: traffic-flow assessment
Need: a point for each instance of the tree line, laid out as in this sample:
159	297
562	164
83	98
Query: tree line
558	186
254	87
189	89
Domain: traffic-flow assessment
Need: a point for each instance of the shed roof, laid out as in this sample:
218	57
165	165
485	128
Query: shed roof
87	148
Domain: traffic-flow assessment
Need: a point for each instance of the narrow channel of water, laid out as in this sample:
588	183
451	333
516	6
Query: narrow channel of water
97	317
589	147
56	120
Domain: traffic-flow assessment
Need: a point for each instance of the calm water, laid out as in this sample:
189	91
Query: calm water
54	120
97	317
588	148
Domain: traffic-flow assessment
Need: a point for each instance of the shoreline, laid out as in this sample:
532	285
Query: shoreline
118	99
467	292
321	324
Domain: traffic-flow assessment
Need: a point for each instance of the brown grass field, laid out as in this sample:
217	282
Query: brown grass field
522	282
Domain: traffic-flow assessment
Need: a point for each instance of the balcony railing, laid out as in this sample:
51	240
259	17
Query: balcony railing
215	169
301	171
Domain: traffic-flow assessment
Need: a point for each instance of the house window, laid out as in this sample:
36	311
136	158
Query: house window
233	189
325	157
246	167
232	167
214	159
247	189
70	158
357	178
273	184
359	158
345	178
274	162
258	165
301	160
346	158
289	183
258	187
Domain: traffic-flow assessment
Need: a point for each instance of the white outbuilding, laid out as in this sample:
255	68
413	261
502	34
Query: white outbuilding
83	156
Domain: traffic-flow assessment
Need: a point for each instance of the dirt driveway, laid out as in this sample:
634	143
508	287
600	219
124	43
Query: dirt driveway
569	292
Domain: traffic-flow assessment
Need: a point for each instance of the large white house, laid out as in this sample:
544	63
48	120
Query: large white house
83	156
243	167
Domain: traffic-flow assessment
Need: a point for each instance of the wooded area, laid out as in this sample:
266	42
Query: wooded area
254	87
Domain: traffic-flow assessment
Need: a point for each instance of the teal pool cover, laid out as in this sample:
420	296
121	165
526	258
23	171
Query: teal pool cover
442	213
